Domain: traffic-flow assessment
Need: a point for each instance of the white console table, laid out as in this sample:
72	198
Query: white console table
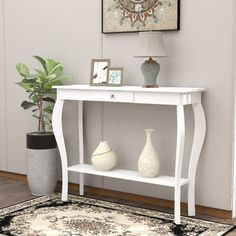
177	96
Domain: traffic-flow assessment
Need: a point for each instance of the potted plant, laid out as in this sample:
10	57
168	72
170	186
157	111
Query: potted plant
41	144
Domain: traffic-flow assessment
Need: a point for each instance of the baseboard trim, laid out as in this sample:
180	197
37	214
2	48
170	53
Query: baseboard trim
202	210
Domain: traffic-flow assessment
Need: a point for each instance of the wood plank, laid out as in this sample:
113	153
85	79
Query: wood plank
23	192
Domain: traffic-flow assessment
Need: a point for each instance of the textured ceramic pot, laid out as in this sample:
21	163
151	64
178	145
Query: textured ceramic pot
150	72
148	162
42	155
104	158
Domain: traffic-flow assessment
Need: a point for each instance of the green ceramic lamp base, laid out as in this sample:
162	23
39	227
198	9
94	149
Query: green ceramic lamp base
150	70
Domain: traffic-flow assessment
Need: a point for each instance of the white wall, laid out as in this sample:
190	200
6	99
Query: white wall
234	145
200	54
3	146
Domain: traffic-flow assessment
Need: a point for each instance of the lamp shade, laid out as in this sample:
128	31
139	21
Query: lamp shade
150	44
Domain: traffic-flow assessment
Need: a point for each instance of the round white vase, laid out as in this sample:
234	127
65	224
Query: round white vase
148	162
104	158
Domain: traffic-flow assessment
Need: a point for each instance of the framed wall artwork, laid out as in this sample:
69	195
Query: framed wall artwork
115	76
120	16
99	70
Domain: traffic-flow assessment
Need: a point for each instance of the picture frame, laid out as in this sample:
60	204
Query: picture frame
115	76
99	71
125	16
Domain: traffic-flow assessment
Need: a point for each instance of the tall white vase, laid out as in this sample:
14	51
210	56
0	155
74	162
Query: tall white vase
148	162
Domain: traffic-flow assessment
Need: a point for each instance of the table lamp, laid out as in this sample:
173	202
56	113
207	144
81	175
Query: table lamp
150	44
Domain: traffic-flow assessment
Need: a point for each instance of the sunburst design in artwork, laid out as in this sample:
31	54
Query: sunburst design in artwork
140	10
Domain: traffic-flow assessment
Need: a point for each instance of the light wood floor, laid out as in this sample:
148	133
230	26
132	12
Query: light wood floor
15	191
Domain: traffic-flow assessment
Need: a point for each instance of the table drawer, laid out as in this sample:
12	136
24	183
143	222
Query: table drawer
157	98
99	95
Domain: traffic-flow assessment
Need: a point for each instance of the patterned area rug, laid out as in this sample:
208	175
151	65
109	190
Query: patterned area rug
82	216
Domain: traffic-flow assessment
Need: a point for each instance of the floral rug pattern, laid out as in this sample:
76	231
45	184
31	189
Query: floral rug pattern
81	216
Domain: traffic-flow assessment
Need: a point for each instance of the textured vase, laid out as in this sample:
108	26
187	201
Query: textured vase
42	156
104	158
148	162
150	72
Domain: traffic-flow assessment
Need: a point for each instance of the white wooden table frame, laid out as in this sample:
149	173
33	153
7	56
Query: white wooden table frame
177	96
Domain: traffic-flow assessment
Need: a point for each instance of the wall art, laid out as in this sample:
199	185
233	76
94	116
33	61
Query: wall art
140	15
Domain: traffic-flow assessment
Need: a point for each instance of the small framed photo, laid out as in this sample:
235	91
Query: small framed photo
99	71
115	76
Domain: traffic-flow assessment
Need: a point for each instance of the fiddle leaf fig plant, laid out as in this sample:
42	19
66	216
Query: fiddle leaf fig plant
41	95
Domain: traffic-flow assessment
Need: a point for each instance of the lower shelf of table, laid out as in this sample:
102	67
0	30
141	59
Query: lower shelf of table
169	181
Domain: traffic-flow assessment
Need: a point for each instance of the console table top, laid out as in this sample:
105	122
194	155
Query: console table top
131	88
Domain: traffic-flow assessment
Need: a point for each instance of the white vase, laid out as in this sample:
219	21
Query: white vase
148	162
104	158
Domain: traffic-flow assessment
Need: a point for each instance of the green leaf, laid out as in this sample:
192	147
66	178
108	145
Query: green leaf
35	116
26	86
48	99
48	109
54	67
57	69
47	88
41	80
23	70
30	77
52	76
50	64
36	99
54	82
52	91
31	94
41	73
27	105
34	110
41	76
29	81
43	63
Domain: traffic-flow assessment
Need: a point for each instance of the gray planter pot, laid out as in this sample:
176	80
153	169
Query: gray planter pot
41	163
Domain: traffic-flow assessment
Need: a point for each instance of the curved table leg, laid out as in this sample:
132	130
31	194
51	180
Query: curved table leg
58	132
179	159
198	140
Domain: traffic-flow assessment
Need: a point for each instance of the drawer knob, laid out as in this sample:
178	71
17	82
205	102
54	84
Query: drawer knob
112	96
